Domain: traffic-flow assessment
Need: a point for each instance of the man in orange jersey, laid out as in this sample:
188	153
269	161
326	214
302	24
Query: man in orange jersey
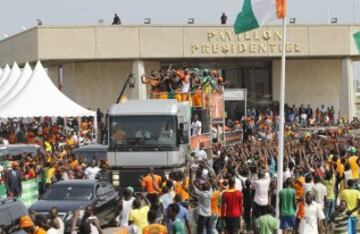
151	184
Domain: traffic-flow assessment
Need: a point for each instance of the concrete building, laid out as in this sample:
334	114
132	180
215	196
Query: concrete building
97	59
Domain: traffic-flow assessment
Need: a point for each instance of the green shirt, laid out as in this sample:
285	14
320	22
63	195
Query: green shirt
330	185
267	224
178	227
287	196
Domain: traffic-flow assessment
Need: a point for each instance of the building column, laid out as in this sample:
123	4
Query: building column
139	92
347	95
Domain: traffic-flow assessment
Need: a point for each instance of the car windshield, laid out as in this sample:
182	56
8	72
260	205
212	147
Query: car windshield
69	193
143	131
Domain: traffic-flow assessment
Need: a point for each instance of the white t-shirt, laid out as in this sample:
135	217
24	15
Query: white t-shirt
93	228
52	231
5	142
185	88
313	214
124	214
143	134
201	155
261	187
91	172
320	192
347	175
196	128
238	184
308	187
287	174
61	229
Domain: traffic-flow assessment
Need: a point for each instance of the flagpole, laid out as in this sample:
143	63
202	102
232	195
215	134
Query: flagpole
280	157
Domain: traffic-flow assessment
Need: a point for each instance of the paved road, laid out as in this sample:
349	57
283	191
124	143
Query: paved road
110	230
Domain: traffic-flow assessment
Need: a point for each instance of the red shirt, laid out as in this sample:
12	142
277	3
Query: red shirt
232	203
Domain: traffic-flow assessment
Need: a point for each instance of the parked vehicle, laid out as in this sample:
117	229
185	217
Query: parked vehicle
74	195
18	149
10	212
89	152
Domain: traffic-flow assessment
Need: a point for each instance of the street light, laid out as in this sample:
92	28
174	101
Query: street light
131	81
147	21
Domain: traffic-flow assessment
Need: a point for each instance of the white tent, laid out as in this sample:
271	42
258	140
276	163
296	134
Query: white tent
9	82
18	86
40	97
5	73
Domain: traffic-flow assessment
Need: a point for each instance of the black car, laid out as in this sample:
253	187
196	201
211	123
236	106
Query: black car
10	212
87	153
16	150
69	196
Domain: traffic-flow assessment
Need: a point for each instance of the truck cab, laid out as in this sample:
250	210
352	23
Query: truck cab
147	133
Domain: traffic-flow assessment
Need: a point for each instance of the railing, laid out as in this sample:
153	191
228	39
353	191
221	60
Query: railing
197	98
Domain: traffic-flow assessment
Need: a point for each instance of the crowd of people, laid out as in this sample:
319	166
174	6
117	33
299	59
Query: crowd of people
51	133
225	189
184	84
233	188
54	160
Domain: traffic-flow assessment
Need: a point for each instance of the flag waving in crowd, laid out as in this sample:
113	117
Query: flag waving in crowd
256	13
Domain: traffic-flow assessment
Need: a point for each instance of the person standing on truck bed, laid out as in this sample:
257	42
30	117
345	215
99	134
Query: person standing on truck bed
196	126
151	183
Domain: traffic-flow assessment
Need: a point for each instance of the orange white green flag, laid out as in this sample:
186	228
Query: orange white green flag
256	13
357	40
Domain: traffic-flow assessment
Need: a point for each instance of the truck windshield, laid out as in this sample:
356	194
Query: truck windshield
142	131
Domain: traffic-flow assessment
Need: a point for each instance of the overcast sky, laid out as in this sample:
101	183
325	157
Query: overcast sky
16	14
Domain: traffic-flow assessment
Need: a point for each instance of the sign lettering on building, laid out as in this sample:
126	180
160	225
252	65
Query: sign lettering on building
254	42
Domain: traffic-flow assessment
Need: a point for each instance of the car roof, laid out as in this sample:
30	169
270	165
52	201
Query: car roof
10	211
16	149
92	147
76	182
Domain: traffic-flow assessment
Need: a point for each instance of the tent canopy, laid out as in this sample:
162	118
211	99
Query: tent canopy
18	86
9	82
40	97
5	73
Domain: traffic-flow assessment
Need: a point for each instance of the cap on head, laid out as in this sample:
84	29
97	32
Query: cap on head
130	189
25	222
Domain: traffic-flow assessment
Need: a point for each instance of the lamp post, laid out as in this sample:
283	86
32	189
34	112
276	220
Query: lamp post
129	81
132	81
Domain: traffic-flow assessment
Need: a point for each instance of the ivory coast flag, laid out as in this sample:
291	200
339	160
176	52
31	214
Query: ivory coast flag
357	40
256	13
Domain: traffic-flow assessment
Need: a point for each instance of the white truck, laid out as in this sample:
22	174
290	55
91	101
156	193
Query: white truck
147	133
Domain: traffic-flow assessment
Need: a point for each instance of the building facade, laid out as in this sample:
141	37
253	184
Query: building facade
96	60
